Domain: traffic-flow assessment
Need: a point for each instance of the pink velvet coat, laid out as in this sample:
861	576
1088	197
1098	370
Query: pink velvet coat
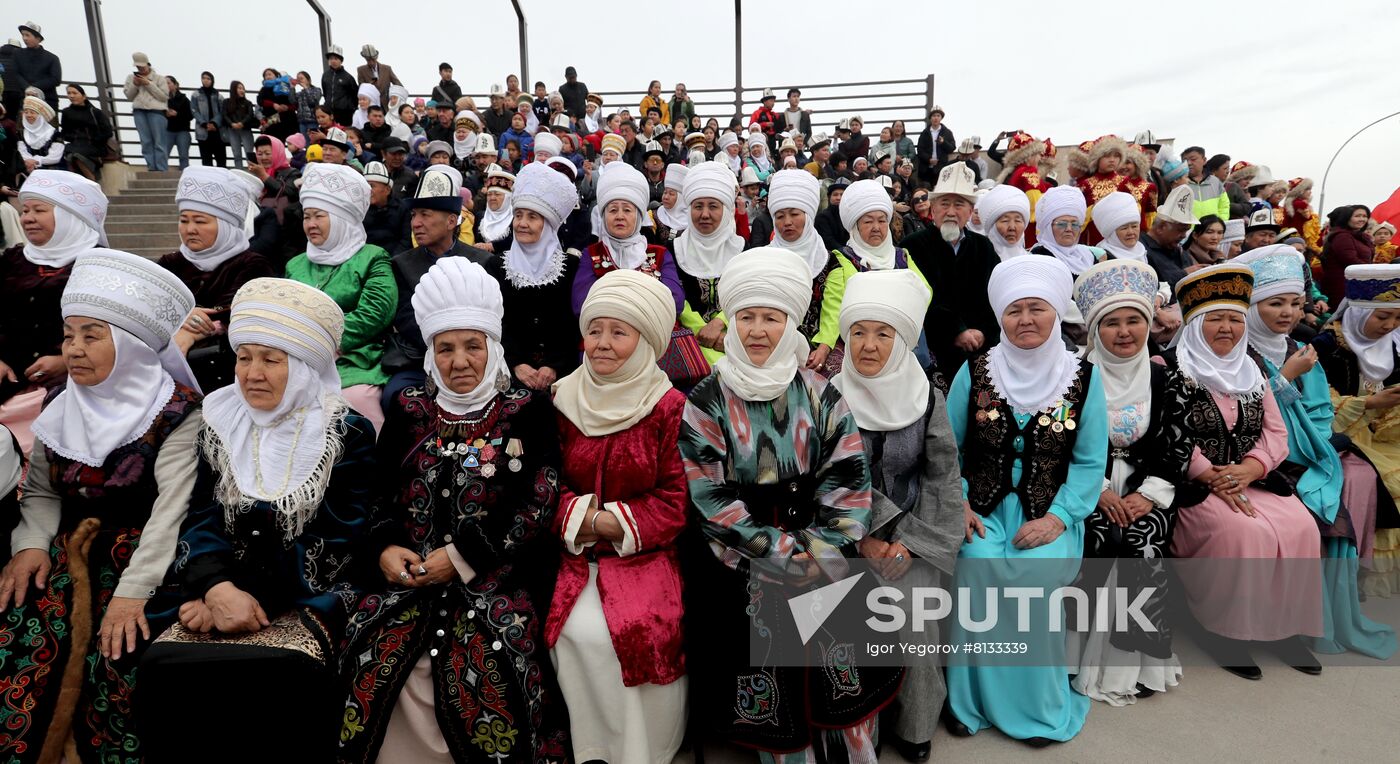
639	471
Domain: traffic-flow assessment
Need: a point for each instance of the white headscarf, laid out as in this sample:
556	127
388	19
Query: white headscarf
1235	374
1112	212
1278	270
344	194
601	404
284	456
765	277
79	211
1374	358
71	237
897	396
704	256
762	162
230	242
625	183
38	132
222	195
495	224
86	423
362	115
546	191
997	202
143	305
1038	378
345	238
1127	382
458	294
1058	202
677	222
862	197
735	163
799	189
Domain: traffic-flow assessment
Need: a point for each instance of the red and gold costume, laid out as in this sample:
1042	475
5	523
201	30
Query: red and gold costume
1298	213
1138	182
1100	184
1021	163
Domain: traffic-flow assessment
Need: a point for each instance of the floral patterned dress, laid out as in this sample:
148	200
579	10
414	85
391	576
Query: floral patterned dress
487	485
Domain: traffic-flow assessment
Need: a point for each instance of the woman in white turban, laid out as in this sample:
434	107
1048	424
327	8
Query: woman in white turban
62	216
470	488
277	521
1238	505
1339	488
704	249
776	469
792	199
108	485
1059	221
918	498
1030	422
537	277
1135	516
1361	357
1119	222
358	276
1005	211
614	627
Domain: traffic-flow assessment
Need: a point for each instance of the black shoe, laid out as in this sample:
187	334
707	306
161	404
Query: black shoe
1250	671
1232	655
955	727
1037	742
1293	652
915	752
1143	691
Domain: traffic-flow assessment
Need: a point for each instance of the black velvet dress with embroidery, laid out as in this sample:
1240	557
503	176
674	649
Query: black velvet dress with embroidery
488	486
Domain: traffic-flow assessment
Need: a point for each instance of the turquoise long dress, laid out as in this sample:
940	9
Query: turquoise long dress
1306	405
1026	701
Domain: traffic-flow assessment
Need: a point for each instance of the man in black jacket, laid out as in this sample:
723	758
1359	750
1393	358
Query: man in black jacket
446	91
38	68
339	90
375	132
436	206
958	264
828	223
574	93
386	221
1163	239
498	116
935	144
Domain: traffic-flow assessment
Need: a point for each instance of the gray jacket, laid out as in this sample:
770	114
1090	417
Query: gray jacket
207	108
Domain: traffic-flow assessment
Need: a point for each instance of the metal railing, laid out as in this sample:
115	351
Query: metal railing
878	102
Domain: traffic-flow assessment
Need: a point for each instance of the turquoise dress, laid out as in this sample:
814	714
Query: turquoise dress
1026	701
1306	405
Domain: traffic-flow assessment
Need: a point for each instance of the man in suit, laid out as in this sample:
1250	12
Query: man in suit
935	144
375	73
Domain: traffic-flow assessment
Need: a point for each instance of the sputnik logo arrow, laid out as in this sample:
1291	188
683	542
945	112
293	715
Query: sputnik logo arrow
810	610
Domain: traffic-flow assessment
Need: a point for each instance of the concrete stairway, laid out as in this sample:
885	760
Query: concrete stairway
142	218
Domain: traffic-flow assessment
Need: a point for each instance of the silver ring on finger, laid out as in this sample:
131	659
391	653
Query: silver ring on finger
422	570
899	557
403	575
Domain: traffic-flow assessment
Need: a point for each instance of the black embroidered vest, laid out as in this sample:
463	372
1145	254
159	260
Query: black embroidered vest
1206	425
989	447
123	490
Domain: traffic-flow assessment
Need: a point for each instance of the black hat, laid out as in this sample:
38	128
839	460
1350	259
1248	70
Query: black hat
437	189
444	65
652	148
840	184
392	144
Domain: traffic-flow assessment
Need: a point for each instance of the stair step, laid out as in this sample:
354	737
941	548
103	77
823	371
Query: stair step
170	186
142	197
133	241
166	209
168	174
156	226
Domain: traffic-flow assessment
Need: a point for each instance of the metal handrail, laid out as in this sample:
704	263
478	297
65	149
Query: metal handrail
830	100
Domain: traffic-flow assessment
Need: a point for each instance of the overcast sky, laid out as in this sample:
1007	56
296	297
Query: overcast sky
1261	83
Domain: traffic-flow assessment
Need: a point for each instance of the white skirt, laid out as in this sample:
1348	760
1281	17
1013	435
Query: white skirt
607	719
1111	675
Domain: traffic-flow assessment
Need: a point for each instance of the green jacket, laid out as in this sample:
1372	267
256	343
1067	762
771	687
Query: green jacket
363	287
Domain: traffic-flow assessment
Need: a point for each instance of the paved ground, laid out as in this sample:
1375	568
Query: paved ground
1348	714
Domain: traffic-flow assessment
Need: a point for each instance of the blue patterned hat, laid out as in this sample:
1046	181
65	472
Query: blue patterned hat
1115	284
1278	269
1373	286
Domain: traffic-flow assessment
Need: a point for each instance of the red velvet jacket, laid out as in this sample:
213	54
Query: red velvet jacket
641	468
